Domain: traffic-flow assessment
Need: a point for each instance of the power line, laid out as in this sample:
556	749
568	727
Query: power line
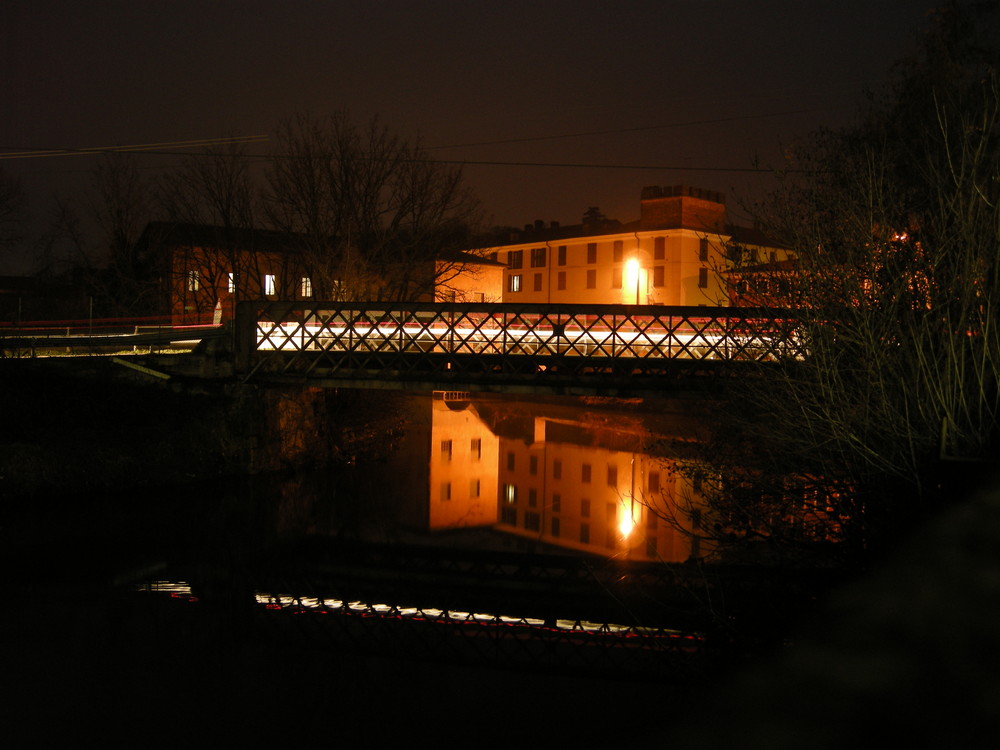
14	152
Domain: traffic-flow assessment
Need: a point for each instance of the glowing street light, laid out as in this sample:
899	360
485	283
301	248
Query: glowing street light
634	269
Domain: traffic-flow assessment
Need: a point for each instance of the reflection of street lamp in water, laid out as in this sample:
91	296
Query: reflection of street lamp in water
633	269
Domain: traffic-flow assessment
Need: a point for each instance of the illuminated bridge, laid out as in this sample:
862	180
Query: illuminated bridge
571	349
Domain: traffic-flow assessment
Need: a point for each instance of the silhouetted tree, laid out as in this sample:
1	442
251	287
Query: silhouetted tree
895	224
373	211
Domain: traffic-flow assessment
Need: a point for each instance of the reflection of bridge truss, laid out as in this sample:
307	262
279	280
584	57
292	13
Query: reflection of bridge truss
503	344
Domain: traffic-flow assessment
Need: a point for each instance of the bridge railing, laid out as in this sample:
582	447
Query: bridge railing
371	334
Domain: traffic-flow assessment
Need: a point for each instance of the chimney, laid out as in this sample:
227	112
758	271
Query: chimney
682	207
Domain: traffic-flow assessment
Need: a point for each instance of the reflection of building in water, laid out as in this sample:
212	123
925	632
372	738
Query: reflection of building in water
463	465
565	484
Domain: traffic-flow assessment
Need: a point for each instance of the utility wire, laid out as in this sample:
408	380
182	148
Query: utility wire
14	152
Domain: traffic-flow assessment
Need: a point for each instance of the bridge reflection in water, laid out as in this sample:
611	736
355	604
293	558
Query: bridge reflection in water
534	532
503	346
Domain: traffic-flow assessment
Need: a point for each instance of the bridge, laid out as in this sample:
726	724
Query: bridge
563	349
611	350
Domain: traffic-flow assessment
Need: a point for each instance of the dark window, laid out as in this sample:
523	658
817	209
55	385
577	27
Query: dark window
515	259
585	474
619	251
557	469
476	448
592	278
591	252
508	515
532	521
556	502
538	257
561	280
585	509
616	278
537	283
650	546
533	465
561	255
446	450
654	482
510	462
703	249
532	498
612	476
555	527
585	533
659	248
703	277
657	275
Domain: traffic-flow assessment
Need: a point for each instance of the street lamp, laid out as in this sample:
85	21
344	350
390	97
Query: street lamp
634	269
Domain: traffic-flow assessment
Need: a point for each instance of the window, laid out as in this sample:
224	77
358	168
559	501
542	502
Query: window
476	448
508	515
192	281
657	275
650	546
561	255
532	521
446	491
585	509
654	482
538	257
474	488
537	283
557	469
584	533
619	251
591	252
231	285
515	259
533	465
269	284
556	502
585	473
703	277
532	498
612	476
514	282
659	248
592	278
509	494
652	521
561	280
616	278
306	288
703	249
446	450
555	527
510	461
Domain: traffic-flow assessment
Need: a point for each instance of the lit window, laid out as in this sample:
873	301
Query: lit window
269	284
514	282
231	285
306	288
192	281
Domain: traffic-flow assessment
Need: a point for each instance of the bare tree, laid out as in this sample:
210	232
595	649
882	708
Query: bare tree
12	207
373	211
895	226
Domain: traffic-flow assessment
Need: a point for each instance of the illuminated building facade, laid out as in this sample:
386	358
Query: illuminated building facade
676	254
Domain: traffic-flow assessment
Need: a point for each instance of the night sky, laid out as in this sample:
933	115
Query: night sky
695	89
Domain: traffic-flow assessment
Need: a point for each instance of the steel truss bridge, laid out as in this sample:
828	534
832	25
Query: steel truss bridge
567	349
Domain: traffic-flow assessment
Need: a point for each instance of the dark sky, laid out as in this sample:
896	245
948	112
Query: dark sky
688	87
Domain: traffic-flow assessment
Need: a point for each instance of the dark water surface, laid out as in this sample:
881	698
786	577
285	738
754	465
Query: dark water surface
157	614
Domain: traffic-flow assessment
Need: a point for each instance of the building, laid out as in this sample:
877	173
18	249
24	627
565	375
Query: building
677	253
206	270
